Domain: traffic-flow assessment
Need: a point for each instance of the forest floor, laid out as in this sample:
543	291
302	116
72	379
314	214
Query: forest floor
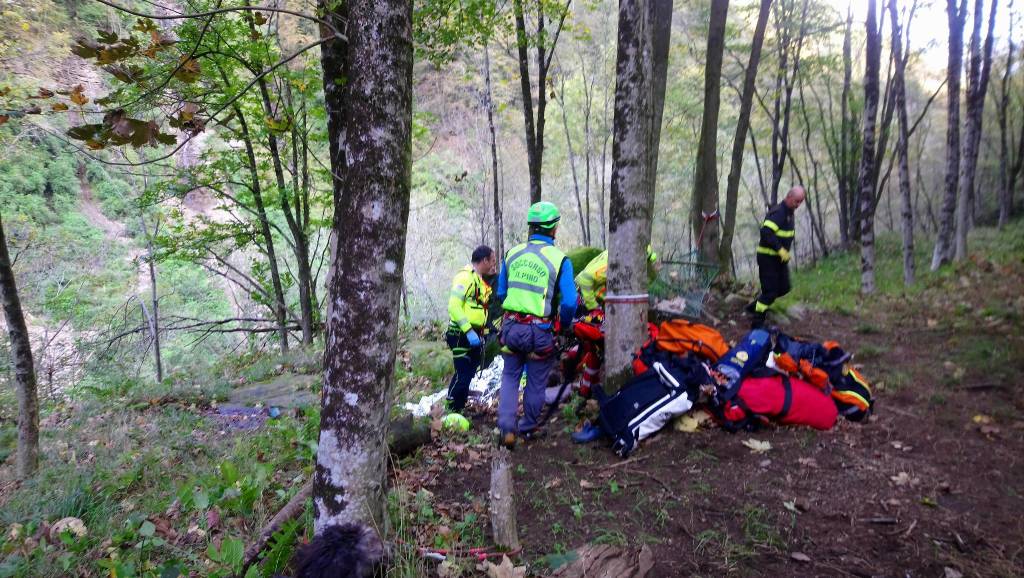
931	485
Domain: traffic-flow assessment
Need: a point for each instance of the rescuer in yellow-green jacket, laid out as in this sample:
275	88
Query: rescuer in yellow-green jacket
468	301
593	279
777	234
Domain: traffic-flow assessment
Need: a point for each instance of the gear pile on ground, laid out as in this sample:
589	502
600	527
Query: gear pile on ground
768	377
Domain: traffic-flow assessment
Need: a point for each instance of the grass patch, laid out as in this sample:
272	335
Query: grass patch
833	283
720	547
119	470
868	352
759	529
984	354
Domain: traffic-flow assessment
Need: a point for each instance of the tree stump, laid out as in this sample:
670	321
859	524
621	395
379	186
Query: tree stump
503	503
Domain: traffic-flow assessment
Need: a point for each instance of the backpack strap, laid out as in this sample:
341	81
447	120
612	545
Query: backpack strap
787	401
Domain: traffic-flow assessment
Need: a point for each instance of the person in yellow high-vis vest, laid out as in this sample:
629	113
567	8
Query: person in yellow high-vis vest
535	287
468	301
593	279
592	282
777	233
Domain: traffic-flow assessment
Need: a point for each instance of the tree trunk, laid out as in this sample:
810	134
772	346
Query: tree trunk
907	208
1018	167
843	174
1004	148
873	50
785	82
154	319
944	240
499	231
661	41
278	307
588	142
368	257
732	186
705	177
298	223
977	86
532	153
572	166
632	186
300	240
27	457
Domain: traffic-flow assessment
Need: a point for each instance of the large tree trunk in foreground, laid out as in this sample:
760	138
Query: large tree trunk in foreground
705	175
368	257
632	184
732	186
907	208
873	49
27	457
977	85
944	240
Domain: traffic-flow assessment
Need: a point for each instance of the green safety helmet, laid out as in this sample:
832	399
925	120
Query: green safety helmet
543	214
651	255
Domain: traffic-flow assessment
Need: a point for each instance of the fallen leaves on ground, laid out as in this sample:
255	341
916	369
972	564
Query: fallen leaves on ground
757	446
72	525
504	570
691	422
903	479
810	463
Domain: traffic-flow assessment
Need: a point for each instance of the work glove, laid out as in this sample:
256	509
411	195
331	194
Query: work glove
473	338
784	255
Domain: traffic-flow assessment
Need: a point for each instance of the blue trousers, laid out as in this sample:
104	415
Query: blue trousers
531	348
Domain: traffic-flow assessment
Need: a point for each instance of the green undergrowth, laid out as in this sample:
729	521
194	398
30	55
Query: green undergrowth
166	487
161	492
833	283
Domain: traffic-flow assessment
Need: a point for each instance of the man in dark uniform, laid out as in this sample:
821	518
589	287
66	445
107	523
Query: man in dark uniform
777	234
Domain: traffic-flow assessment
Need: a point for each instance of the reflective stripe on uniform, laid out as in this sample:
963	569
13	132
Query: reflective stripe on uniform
760	307
851	398
785	233
766	250
860	379
526	287
771	225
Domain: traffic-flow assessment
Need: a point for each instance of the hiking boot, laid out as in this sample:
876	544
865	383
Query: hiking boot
589	433
508	439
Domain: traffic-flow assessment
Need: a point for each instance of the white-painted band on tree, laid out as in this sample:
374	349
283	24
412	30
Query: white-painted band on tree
637	298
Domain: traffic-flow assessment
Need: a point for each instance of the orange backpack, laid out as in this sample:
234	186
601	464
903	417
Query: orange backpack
680	336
